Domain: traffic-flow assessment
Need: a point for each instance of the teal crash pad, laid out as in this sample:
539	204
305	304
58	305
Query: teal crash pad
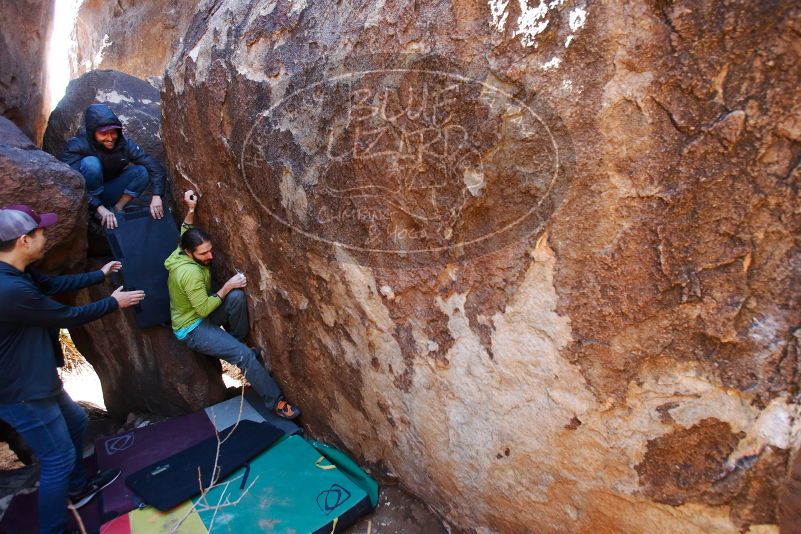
289	487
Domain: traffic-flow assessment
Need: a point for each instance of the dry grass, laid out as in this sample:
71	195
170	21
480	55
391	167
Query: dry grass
233	371
74	362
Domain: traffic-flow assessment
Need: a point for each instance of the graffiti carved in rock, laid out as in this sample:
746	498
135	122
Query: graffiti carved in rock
397	164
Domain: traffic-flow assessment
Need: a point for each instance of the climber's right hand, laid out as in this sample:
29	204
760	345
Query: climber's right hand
190	198
237	281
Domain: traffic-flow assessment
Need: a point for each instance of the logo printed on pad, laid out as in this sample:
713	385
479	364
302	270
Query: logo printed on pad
119	443
332	498
160	469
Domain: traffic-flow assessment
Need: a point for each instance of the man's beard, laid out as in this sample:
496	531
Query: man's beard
204	263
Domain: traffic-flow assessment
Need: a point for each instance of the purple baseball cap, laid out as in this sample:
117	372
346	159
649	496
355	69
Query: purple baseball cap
20	219
108	128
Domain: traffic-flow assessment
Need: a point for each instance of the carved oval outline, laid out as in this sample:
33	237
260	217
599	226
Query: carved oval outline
557	161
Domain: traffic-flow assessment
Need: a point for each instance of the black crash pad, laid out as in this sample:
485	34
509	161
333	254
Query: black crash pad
142	243
170	482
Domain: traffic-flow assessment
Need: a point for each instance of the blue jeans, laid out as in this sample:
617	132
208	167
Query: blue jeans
208	338
131	181
53	428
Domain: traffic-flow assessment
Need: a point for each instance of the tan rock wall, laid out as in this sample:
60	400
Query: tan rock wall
615	367
23	49
130	36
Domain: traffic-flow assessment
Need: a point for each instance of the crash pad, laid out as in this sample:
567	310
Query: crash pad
142	243
226	413
135	450
151	521
290	487
167	483
132	451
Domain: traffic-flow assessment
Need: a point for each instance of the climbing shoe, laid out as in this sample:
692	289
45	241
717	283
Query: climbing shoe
286	410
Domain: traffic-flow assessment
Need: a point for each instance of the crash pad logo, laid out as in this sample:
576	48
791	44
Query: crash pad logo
406	159
118	444
330	499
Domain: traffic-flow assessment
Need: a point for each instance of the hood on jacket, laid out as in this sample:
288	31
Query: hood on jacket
98	115
179	259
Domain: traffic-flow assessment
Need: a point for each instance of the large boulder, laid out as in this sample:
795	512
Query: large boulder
141	370
30	176
23	45
790	501
541	262
128	35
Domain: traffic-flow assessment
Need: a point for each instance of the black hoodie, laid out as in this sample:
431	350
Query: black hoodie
115	160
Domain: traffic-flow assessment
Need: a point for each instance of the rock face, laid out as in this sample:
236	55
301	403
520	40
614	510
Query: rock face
31	176
23	45
141	370
131	36
552	281
790	501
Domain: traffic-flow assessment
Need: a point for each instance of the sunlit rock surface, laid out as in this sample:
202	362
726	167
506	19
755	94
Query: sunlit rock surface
23	45
539	261
130	36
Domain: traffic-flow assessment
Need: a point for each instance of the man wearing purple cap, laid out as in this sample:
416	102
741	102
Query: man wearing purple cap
116	170
32	399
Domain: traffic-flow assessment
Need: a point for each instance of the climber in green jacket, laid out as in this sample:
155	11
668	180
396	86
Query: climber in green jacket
198	313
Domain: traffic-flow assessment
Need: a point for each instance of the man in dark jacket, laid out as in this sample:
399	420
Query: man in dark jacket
32	399
116	170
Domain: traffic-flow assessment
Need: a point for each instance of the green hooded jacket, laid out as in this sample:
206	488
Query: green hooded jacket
189	284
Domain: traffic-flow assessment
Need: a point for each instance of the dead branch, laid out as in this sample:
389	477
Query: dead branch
214	480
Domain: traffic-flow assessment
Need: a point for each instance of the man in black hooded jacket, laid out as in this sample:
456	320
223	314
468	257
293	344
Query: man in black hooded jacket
116	170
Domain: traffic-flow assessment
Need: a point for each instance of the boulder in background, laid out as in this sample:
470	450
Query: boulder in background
136	102
23	48
31	176
130	36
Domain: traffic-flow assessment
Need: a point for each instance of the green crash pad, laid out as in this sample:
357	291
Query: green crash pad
289	487
351	469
